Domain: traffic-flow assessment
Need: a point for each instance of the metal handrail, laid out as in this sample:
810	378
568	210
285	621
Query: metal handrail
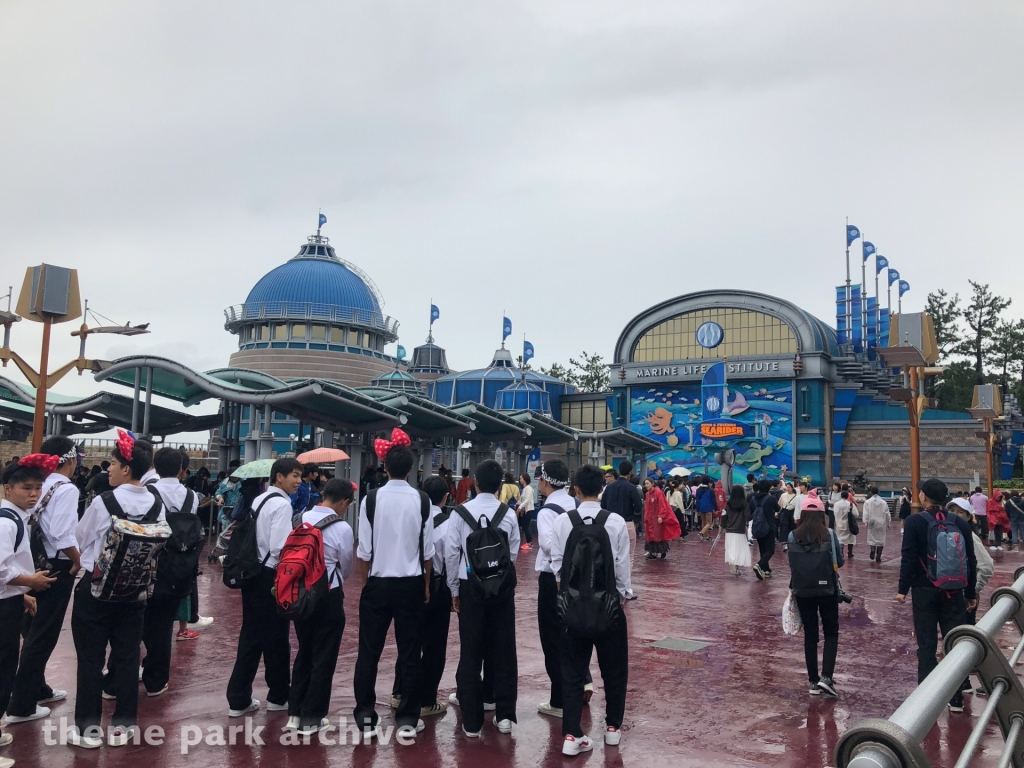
304	310
896	742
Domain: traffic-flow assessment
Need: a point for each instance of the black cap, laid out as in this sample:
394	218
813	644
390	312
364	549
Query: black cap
934	489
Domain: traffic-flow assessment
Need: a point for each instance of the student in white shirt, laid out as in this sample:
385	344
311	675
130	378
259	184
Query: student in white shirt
265	633
487	626
97	623
437	616
398	551
320	635
612	648
161	609
22	482
57	512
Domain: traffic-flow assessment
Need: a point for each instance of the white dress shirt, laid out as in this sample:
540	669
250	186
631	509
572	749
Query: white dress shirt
484	505
14	563
60	518
135	500
173	495
546	527
439	538
273	525
338	545
617	535
150	476
394	538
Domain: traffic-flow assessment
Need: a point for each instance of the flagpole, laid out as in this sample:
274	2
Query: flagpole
319	213
878	309
863	298
849	294
888	293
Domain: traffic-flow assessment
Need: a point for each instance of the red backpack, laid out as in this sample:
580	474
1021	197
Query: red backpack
301	578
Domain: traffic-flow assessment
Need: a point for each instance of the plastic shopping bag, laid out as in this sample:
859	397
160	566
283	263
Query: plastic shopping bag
791	623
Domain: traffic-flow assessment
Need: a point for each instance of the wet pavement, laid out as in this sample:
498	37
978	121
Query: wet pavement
739	700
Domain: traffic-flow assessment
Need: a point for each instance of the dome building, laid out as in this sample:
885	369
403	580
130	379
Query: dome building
315	316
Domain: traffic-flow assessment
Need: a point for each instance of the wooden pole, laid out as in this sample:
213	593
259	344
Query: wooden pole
915	442
38	422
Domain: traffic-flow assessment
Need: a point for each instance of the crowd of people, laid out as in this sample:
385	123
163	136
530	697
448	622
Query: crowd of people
427	548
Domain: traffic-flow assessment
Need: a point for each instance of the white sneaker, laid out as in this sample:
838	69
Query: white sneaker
437	708
545	708
612	736
272	707
6	738
409	731
108	696
254	705
396	701
39	714
121	734
503	726
162	691
310	730
204	621
57	695
573	746
6	762
588	693
471	734
75	739
453	699
490	706
292	724
140	674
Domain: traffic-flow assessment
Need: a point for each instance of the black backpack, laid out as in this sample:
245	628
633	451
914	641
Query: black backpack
19	524
759	527
588	600
242	564
178	562
371	509
811	569
35	530
437	580
488	560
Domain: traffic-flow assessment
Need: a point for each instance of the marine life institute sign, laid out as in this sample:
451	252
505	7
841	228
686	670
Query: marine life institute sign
773	368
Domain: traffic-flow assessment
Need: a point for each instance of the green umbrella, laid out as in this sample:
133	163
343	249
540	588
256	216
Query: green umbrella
258	468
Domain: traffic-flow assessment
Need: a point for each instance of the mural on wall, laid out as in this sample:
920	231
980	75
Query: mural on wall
671	414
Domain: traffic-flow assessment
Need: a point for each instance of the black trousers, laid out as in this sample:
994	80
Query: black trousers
264	634
486	624
612	658
766	548
828	607
524	527
94	625
11	611
313	672
158	636
550	628
934	607
434	647
41	633
194	616
382	601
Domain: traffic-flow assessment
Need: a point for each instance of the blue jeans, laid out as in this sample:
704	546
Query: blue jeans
1017	529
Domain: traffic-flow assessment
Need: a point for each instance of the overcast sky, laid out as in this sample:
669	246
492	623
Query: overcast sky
570	163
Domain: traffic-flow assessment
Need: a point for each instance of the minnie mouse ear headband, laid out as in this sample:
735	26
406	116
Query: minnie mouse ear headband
43	461
125	444
398	439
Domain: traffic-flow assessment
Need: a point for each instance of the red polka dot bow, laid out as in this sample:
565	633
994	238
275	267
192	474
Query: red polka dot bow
125	444
42	461
398	439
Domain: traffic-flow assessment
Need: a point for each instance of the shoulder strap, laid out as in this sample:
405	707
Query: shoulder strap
574	516
112	504
555	507
256	512
151	481
154	512
19	535
190	498
327	521
466	515
46	499
425	515
441	519
371	505
498	516
602	516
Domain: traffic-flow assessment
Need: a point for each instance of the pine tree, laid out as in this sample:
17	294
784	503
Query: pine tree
955	387
591	375
982	316
1007	353
556	371
946	315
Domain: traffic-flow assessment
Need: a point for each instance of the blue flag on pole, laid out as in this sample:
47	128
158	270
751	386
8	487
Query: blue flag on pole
894	276
506	329
527	351
323	220
869	249
904	287
852	233
435	313
880	263
401	352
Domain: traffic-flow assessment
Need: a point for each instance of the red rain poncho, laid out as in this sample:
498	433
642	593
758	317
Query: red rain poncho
655	506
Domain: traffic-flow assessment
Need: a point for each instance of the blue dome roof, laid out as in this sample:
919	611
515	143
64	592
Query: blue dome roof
317	281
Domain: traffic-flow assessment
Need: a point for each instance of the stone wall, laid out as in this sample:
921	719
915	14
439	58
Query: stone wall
949	451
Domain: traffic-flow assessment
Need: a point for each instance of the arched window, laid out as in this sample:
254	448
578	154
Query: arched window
745	334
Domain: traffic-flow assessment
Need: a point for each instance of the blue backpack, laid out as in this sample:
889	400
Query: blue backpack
947	553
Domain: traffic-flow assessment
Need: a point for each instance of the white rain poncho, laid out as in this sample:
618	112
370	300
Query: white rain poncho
877	519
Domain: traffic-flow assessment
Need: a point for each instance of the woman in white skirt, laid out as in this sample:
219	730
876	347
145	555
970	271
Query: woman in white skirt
734	522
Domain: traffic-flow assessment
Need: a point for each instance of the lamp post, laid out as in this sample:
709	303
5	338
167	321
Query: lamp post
987	407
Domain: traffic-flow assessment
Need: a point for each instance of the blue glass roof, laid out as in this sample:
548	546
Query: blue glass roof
317	281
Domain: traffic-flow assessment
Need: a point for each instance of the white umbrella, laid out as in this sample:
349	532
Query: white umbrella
680	472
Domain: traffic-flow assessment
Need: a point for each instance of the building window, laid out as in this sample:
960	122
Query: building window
260	332
318	332
299	331
280	332
354	338
747	333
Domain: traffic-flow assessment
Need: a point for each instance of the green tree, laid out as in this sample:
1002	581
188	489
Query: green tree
523	366
591	375
1007	354
556	371
982	316
955	387
946	314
